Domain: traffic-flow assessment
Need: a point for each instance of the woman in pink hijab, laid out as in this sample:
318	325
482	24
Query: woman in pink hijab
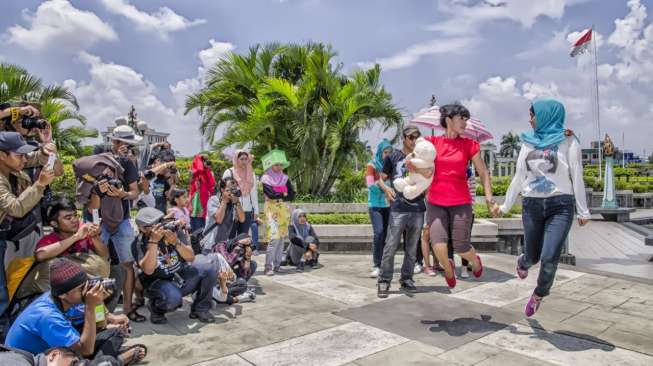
243	172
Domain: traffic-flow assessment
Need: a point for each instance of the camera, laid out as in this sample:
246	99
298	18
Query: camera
235	191
149	175
173	170
109	284
31	122
171	226
110	180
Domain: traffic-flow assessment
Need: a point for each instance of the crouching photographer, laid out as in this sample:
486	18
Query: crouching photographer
167	271
72	315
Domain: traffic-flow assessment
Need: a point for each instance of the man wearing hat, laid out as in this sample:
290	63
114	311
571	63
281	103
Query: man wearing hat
18	196
167	270
405	215
46	322
122	234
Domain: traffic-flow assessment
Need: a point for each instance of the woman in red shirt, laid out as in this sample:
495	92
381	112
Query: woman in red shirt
450	209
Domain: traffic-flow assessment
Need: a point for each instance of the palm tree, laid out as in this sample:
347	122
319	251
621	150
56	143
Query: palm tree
510	145
57	105
294	98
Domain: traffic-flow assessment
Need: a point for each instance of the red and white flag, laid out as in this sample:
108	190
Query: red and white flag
582	44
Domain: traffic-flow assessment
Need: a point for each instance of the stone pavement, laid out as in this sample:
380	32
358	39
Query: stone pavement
331	316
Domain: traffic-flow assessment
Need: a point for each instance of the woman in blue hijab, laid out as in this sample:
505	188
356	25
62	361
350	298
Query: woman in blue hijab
549	177
378	206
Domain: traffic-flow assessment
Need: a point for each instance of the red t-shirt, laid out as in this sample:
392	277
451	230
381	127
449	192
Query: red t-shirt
81	246
449	187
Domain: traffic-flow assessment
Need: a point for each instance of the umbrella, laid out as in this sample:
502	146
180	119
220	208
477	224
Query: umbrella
430	118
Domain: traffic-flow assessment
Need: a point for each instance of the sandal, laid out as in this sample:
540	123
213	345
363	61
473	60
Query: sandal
138	302
136	356
134	316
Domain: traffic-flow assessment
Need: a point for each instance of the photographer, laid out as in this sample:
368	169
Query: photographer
48	321
223	211
164	182
78	242
167	271
119	230
19	198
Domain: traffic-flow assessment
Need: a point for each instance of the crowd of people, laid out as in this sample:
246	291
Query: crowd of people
70	263
64	274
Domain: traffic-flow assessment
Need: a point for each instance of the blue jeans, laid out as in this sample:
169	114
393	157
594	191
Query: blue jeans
4	293
379	217
254	228
546	225
122	240
412	223
166	296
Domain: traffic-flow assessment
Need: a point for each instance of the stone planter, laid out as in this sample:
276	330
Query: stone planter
510	235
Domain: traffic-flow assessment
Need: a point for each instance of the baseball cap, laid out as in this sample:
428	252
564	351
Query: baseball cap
411	130
148	216
14	142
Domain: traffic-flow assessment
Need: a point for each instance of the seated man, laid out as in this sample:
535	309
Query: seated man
72	239
47	323
56	356
167	271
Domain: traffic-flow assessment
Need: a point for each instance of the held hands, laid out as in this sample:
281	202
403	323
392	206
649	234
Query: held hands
94	296
493	207
390	194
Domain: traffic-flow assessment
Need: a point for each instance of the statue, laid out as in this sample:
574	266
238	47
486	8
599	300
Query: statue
609	194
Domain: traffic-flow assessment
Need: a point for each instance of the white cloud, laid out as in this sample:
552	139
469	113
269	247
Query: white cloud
468	18
211	55
556	43
629	28
57	23
634	39
414	53
164	21
112	89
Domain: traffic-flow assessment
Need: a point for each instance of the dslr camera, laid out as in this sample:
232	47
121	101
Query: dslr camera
235	191
171	226
110	180
33	122
109	284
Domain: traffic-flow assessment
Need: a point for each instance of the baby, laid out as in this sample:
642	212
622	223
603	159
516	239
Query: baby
422	158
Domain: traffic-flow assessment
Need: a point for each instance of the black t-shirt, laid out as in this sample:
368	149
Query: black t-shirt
129	176
394	167
168	260
160	188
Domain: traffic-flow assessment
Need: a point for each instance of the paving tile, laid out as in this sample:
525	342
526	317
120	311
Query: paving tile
232	360
561	349
410	353
471	353
352	341
504	293
435	319
506	358
633	341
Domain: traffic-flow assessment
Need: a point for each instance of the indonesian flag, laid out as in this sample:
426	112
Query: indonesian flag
582	44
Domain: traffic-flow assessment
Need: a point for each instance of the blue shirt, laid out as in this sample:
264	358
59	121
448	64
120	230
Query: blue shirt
41	326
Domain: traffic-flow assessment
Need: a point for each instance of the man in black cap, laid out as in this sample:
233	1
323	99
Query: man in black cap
54	319
167	271
405	215
19	198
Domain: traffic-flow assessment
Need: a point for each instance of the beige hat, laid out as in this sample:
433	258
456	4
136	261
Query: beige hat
125	134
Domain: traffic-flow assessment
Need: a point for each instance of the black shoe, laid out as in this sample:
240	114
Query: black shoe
408	286
315	265
204	317
300	266
383	289
158	318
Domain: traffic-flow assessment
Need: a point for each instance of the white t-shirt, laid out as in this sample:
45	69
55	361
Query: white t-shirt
543	173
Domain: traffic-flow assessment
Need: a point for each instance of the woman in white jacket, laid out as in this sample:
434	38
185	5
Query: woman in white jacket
550	179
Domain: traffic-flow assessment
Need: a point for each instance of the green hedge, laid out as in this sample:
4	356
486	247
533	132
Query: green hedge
480	211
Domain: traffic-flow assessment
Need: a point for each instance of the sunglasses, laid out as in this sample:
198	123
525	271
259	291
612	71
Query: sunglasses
413	137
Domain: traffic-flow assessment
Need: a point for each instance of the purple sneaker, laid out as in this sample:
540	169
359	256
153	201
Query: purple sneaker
522	273
532	305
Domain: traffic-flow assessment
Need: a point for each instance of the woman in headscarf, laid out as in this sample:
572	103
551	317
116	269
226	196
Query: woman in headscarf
303	249
378	206
243	172
549	177
277	190
202	186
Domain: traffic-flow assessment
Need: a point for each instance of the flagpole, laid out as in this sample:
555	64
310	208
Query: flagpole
598	109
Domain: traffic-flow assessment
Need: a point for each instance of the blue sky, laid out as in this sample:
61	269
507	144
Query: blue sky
494	55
